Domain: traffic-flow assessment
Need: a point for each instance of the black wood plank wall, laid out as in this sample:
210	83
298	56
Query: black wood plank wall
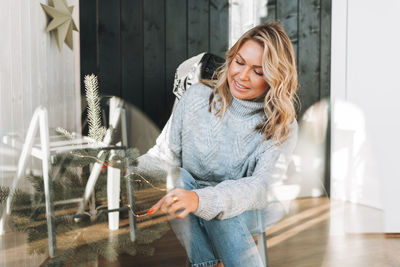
135	46
308	24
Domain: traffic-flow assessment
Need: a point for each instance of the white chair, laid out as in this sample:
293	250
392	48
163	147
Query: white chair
39	120
50	147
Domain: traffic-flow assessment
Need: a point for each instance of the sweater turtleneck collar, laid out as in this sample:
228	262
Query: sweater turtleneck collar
246	108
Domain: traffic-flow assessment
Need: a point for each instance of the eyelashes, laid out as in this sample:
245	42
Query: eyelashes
242	64
238	62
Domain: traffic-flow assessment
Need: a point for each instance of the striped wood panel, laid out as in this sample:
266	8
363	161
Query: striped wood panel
287	12
219	15
175	48
307	22
271	14
135	46
136	59
154	100
34	72
198	26
132	59
309	51
109	46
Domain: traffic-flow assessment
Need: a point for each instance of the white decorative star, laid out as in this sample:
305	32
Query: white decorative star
62	21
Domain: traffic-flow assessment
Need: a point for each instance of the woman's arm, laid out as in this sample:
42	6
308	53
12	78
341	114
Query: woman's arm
166	153
232	197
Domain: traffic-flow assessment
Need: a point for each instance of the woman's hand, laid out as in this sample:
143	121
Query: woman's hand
177	199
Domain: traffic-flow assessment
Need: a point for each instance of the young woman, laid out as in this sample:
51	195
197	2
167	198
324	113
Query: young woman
226	138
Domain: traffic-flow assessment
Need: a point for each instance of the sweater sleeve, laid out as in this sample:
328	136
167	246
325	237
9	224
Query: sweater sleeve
232	197
166	153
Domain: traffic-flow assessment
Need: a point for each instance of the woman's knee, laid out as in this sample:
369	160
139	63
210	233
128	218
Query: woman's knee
241	249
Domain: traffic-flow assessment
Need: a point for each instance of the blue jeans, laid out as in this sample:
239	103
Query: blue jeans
209	242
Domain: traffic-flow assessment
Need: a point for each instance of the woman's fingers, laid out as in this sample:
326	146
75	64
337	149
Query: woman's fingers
178	200
169	200
175	207
183	214
156	206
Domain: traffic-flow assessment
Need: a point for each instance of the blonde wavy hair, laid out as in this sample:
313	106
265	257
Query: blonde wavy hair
279	67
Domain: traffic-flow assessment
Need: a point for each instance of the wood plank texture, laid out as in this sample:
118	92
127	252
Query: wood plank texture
309	52
156	36
287	13
154	56
271	15
33	72
307	23
175	44
325	79
198	27
16	66
27	90
219	30
88	41
302	238
109	47
132	60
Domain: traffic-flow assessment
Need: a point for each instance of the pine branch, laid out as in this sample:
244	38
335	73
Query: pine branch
96	130
20	199
4	191
65	133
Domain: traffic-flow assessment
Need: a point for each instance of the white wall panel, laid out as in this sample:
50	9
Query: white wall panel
34	72
365	95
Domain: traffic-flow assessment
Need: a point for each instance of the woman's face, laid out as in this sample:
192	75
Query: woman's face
245	75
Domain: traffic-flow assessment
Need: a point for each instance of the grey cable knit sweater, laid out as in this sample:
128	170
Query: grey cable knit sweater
235	168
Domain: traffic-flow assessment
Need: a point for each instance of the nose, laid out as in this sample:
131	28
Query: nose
244	74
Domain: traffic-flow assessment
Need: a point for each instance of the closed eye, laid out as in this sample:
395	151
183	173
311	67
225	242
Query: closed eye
258	73
239	62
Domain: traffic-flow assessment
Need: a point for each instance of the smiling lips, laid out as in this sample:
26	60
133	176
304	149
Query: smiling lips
240	86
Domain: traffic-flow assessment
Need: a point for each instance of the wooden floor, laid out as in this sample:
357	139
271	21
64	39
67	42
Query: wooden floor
308	236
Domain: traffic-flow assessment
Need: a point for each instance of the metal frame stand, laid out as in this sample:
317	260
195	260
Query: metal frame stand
117	115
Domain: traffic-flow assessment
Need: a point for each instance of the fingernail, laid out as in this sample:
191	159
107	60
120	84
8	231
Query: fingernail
177	217
150	211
